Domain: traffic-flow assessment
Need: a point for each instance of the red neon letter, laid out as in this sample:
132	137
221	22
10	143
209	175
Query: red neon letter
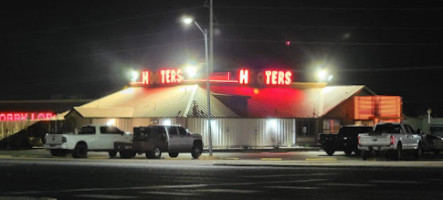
268	77
49	115
41	116
16	116
162	72
274	78
179	76
9	117
288	77
145	77
281	78
23	116
2	117
173	78
244	76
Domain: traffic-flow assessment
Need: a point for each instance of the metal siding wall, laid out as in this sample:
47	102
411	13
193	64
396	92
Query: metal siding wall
124	124
234	132
8	128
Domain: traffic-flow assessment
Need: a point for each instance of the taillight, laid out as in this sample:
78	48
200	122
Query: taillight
359	141
392	140
63	139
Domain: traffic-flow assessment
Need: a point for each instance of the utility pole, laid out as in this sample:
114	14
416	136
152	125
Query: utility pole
211	36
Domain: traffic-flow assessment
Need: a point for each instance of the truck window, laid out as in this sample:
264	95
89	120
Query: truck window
182	131
172	131
388	128
110	130
409	129
87	130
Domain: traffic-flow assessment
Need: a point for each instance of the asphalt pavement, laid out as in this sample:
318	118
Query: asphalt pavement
282	174
63	178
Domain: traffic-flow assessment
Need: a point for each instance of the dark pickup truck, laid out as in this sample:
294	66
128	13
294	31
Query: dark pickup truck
345	140
155	139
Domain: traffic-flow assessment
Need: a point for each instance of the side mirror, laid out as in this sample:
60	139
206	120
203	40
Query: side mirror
419	132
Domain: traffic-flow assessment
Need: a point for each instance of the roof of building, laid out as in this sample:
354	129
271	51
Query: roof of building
290	102
138	102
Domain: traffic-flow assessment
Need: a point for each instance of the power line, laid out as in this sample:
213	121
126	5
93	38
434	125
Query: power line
327	8
280	42
385	69
330	27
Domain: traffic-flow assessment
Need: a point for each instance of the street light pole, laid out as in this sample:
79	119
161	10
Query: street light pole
208	93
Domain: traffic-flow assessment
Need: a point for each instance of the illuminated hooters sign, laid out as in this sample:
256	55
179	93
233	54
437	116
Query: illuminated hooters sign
23	116
266	77
161	77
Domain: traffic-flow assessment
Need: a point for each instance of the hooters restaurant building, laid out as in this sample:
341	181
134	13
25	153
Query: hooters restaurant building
249	108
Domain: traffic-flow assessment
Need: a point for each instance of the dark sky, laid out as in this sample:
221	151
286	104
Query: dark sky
83	49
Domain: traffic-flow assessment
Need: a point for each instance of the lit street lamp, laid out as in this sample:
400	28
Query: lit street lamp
187	21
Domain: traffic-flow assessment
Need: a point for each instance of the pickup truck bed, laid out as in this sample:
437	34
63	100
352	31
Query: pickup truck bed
345	140
391	139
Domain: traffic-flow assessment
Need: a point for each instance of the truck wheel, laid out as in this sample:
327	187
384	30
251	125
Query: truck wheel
329	150
156	153
364	155
58	152
397	155
173	154
112	154
80	151
348	151
196	151
127	154
357	152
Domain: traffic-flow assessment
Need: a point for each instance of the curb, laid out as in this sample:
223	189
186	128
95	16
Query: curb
281	150
325	164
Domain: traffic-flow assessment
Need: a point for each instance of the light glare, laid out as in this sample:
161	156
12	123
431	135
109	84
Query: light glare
134	75
187	20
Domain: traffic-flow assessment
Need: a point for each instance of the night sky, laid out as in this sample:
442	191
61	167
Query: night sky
84	49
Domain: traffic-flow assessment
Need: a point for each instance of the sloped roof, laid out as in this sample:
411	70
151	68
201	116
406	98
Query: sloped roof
305	102
105	112
174	101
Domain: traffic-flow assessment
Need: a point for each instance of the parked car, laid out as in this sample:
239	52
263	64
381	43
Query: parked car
153	140
89	138
391	139
345	140
434	140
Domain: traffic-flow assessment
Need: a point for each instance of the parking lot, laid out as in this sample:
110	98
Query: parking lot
310	156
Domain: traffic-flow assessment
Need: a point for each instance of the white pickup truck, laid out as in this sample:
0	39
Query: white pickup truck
393	139
88	138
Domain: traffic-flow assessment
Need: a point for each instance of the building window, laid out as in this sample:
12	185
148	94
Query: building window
331	125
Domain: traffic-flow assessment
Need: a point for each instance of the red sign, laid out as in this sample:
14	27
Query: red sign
171	76
276	77
22	116
245	77
267	77
162	77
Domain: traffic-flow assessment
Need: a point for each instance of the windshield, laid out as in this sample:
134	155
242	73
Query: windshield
387	128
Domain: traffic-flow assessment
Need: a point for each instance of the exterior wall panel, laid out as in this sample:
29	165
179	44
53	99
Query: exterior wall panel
234	132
